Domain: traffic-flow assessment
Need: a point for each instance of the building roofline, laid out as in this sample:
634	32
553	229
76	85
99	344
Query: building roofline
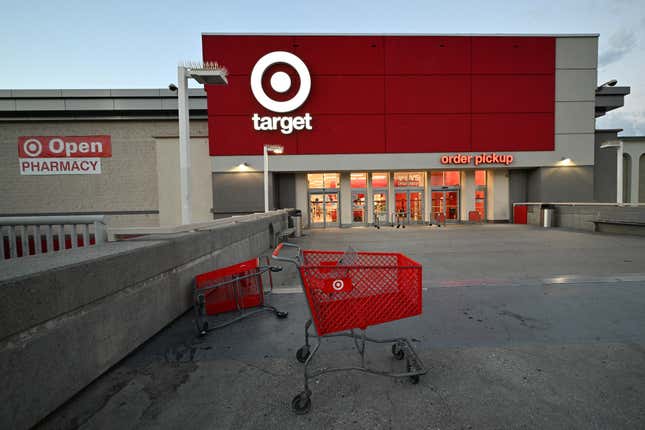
408	34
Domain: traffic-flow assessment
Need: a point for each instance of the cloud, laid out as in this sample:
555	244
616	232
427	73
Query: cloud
620	44
632	122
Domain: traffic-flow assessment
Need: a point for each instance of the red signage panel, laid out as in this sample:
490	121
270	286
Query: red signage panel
382	94
64	146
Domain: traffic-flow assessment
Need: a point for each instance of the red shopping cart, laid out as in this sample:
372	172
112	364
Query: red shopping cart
354	290
228	292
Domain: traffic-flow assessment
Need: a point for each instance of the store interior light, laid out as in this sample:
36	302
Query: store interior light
565	161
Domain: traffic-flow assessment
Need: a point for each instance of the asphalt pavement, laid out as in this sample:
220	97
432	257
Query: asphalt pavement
521	328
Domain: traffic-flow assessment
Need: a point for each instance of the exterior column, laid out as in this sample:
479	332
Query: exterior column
345	200
498	195
369	200
301	197
467	197
635	178
390	196
427	199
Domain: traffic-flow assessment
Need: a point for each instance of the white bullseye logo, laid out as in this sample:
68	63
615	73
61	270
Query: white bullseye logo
338	284
280	81
32	147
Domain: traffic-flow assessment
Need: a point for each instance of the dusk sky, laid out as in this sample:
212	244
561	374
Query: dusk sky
138	44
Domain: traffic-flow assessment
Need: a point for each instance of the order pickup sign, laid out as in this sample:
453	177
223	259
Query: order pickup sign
62	155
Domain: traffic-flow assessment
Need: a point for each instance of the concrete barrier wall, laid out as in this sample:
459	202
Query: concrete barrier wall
579	217
67	318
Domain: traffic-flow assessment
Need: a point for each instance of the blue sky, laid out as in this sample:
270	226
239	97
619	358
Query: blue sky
137	44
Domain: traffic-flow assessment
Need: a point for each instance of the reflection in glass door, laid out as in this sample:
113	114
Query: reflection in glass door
331	209
323	209
358	208
316	209
445	203
380	207
415	214
452	205
437	207
409	206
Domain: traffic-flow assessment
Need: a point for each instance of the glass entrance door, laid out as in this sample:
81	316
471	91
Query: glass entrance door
380	206
358	208
409	206
323	209
445	202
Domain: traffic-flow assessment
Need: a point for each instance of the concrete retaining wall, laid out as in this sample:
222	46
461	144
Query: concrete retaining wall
579	217
67	318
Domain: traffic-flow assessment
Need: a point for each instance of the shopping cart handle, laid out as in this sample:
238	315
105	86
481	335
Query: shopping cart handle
276	253
277	249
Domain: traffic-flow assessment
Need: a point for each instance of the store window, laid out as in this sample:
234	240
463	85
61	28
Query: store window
409	179
323	180
448	178
379	180
358	180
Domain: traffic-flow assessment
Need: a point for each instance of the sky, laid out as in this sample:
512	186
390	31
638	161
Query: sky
138	44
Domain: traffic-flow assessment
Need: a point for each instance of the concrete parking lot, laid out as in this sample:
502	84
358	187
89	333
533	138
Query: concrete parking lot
522	328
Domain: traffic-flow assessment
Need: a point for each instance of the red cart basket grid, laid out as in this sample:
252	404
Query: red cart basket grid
355	290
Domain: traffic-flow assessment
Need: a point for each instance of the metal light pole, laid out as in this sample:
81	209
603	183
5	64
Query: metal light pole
208	73
276	149
619	167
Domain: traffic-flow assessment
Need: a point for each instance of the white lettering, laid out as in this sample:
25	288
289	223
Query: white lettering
286	124
96	147
56	145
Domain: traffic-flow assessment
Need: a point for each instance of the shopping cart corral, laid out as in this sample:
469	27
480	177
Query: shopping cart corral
349	291
232	293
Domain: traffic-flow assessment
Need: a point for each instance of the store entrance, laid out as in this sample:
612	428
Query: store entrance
445	202
323	209
409	207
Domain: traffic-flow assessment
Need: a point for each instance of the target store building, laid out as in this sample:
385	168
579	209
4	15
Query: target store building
419	126
372	127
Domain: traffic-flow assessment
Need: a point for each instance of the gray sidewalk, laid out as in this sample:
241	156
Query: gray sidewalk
510	343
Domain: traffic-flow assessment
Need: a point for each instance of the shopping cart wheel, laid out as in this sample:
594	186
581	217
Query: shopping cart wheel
414	378
302	354
301	404
281	314
397	352
204	329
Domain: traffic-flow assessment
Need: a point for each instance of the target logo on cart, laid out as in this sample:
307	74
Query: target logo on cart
338	285
281	87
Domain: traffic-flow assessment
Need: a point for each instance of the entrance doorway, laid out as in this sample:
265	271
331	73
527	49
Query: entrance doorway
358	208
446	203
409	206
323	209
380	207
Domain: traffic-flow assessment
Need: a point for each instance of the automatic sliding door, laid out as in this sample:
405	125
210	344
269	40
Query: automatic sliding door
331	209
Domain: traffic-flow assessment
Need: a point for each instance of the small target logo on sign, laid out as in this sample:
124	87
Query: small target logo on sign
338	284
32	147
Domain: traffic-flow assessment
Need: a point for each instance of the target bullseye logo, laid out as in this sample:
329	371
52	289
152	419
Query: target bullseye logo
281	83
338	284
32	147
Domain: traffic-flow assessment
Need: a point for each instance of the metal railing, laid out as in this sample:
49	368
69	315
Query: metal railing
48	234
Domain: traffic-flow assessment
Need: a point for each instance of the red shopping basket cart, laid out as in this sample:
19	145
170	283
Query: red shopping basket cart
227	292
354	290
